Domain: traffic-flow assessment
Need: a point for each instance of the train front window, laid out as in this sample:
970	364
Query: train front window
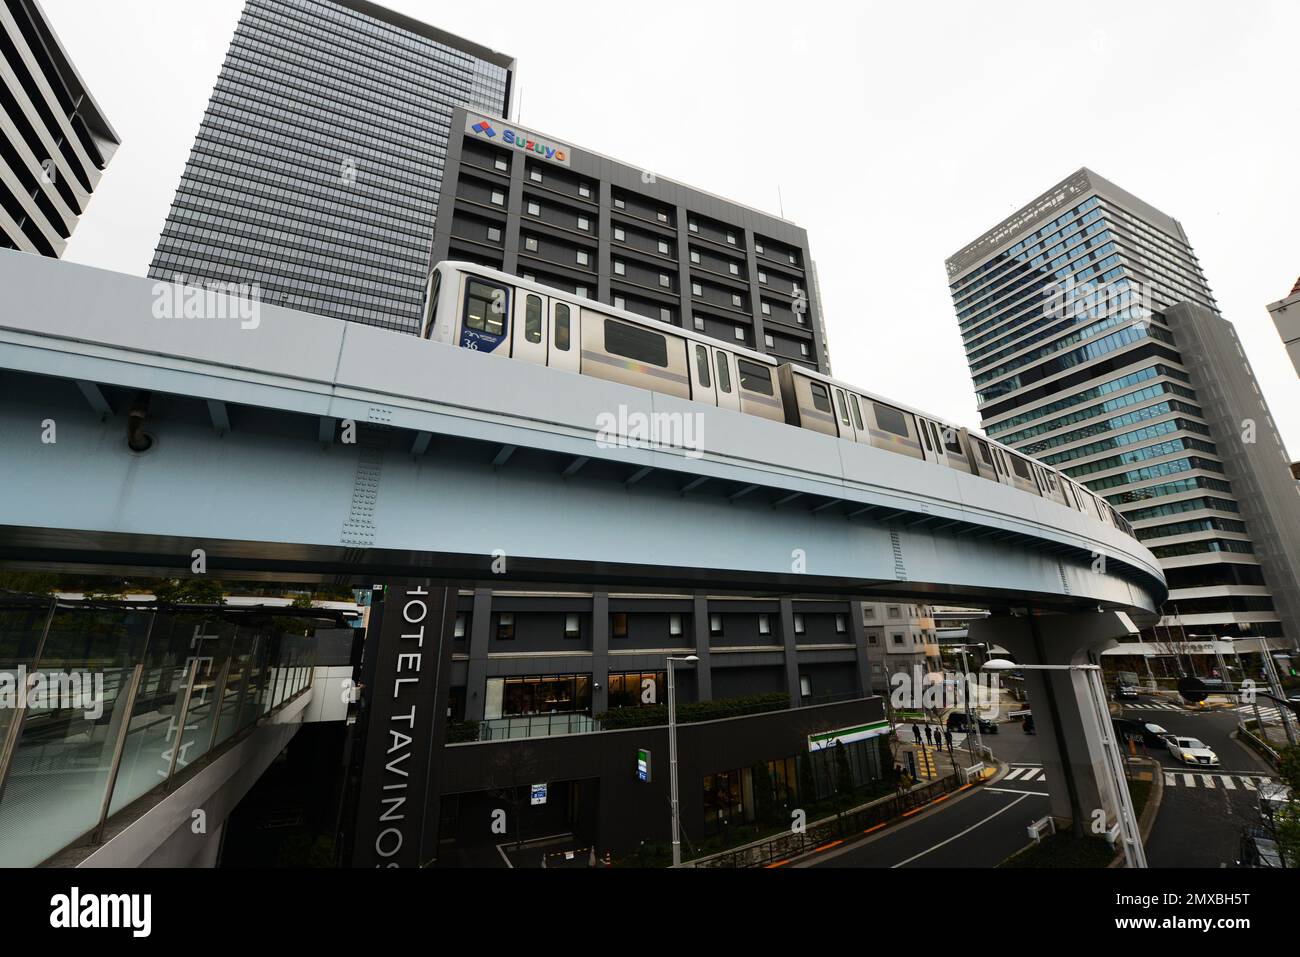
821	400
984	451
724	373
640	345
702	365
486	308
562	327
952	441
891	420
431	308
753	377
533	319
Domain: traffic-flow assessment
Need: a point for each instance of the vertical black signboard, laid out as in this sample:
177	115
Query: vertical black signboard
404	693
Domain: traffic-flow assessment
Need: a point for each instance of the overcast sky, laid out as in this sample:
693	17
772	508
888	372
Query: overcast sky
896	134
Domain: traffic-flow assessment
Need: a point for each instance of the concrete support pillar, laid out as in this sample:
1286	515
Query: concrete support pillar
599	652
700	629
1065	716
791	652
480	629
859	633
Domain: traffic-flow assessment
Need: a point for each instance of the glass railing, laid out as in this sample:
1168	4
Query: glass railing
536	726
102	704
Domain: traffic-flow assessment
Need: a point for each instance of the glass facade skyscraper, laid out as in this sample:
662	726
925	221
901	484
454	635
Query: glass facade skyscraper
1076	314
317	168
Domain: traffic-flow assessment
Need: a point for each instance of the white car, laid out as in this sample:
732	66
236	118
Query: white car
1192	751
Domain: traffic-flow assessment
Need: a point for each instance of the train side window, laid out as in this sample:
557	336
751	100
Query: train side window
891	420
640	345
533	319
842	406
952	441
724	373
562	327
754	377
925	434
857	413
984	452
486	308
821	399
434	286
1022	470
702	363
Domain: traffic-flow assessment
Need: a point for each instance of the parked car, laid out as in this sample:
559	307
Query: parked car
1258	848
959	721
1192	751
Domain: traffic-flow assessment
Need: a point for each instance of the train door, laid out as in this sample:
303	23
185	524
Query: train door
982	456
530	332
703	388
844	416
929	440
727	380
565	336
859	422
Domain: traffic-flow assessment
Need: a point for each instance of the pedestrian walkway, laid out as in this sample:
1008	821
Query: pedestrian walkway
1215	780
1155	706
1025	773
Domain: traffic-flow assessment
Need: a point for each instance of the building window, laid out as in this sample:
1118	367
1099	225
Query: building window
494	234
805	686
571	627
620	302
529	276
619	234
665	280
501	164
462	620
530	243
583	258
665	314
584	191
506	626
735	300
794	260
841	626
534	209
762	277
735	269
620	203
583	223
692	225
803	349
764	624
715	625
535	175
740	334
871	640
663	247
799	625
620	268
618	624
662	216
697	289
580	291
636	689
674	624
893	611
897	640
869	611
698	323
731	238
498	198
695	257
767	308
769	342
758	247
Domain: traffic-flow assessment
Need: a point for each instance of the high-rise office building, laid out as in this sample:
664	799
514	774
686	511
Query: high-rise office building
1286	316
54	141
317	168
1095	345
596	227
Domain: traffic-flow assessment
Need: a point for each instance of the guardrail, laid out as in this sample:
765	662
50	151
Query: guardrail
831	831
1263	747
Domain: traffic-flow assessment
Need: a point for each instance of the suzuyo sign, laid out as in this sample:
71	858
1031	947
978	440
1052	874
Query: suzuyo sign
507	134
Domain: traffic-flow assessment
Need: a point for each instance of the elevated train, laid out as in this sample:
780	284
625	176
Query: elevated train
479	308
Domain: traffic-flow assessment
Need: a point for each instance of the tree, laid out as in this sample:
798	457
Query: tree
189	591
843	775
29	583
1286	820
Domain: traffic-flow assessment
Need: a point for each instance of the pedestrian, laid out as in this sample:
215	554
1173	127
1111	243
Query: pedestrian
898	777
929	735
948	734
916	732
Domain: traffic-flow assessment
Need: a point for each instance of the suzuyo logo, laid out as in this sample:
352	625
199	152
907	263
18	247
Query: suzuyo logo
519	139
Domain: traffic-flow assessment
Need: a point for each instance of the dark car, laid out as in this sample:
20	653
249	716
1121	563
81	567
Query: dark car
1149	734
960	721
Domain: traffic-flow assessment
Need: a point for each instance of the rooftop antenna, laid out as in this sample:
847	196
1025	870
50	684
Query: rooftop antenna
779	201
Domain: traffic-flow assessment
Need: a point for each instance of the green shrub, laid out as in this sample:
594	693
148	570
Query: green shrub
657	714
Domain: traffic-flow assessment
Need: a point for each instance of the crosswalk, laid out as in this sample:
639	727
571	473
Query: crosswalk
1211	781
1154	706
1269	712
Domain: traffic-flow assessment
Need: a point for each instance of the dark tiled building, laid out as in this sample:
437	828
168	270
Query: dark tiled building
537	207
317	168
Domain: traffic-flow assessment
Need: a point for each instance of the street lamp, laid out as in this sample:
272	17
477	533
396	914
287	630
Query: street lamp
672	755
972	721
1134	853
